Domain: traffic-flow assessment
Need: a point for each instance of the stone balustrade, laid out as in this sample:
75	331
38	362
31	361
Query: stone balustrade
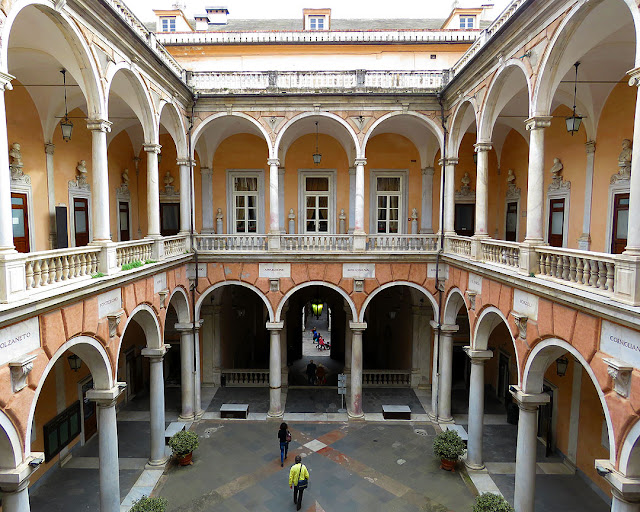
312	243
246	377
45	268
135	250
500	252
386	378
174	245
403	243
231	243
460	245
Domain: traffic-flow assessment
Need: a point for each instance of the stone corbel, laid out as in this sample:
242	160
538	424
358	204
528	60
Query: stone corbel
114	321
20	370
471	294
521	322
621	375
163	298
274	285
358	285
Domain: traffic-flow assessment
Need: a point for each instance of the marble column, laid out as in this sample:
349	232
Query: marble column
426	220
197	379
185	199
274	208
282	222
449	166
433	414
206	176
633	234
217	344
446	370
584	242
526	450
355	398
156	403
482	149
49	149
100	180
187	371
347	341
352	199
275	375
16	497
6	226
619	503
476	407
535	179
359	197
108	447
153	190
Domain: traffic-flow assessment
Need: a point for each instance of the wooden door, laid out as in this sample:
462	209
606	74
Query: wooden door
465	219
123	220
89	417
556	222
511	231
169	219
620	223
20	221
81	221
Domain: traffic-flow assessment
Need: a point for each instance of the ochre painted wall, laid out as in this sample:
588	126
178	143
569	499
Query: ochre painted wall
514	155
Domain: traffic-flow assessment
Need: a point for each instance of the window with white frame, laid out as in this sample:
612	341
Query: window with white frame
245	204
316	22
388	202
316	201
467	21
168	24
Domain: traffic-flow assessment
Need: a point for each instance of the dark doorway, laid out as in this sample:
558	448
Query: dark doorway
169	219
545	421
81	221
20	221
556	222
125	229
465	219
620	223
511	231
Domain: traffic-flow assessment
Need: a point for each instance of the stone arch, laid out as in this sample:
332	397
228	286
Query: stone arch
541	356
283	301
259	292
455	301
179	299
422	121
488	319
94	355
421	289
10	446
629	456
175	126
146	317
460	123
346	137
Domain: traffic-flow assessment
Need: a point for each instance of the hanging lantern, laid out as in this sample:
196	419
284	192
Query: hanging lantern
65	125
317	305
573	121
74	362
562	363
317	156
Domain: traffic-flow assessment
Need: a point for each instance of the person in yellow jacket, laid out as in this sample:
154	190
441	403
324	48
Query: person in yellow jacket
298	480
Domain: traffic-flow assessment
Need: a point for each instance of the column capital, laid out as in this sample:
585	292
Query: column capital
634	75
49	148
528	401
445	328
155	353
152	148
187	326
623	487
273	161
538	122
99	125
448	161
206	171
590	146
275	326
106	397
357	326
16	479
428	171
483	146
478	356
360	161
5	81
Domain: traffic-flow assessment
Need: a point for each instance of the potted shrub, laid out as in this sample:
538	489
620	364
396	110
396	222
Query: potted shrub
448	446
489	502
182	444
146	504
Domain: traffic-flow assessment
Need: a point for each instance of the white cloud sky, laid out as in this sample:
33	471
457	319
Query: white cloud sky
244	9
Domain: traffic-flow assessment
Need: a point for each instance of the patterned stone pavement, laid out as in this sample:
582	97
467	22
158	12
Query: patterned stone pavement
353	466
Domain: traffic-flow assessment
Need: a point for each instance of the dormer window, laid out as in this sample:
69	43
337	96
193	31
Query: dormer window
168	23
467	21
316	22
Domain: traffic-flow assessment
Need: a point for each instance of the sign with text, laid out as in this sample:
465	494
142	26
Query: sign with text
274	270
19	339
525	304
620	342
443	274
475	283
358	270
109	303
159	282
191	270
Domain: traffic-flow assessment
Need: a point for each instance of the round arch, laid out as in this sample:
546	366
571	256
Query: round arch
209	290
351	135
175	126
93	353
460	123
283	301
180	301
375	292
10	446
455	301
539	359
429	123
630	453
146	317
87	66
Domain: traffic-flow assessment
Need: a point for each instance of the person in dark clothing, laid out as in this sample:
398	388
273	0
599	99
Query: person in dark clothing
285	437
311	373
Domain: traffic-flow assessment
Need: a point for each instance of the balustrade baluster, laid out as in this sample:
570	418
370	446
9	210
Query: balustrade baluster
44	278
610	276
565	268
594	273
37	274
28	272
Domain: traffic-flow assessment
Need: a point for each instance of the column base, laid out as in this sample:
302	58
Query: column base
186	419
275	414
352	416
445	420
433	417
198	415
157	464
472	466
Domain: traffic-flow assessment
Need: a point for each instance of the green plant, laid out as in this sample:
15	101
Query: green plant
532	274
183	442
95	276
147	262
489	502
448	445
146	504
133	264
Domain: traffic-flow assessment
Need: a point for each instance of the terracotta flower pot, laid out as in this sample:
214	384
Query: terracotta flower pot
448	465
185	460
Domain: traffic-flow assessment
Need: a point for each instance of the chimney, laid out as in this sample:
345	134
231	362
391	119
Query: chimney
217	15
202	22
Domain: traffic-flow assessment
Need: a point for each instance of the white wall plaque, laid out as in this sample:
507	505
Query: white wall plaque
159	282
19	339
443	274
191	270
109	303
274	270
475	283
620	342
358	270
525	304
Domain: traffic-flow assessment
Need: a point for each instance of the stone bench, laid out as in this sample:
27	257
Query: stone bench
396	412
172	429
460	430
234	411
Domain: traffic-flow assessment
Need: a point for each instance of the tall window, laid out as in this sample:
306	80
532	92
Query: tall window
316	200
389	203
169	24
245	203
467	21
316	22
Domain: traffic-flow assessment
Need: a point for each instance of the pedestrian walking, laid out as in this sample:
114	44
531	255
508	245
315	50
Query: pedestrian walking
298	480
285	438
311	372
